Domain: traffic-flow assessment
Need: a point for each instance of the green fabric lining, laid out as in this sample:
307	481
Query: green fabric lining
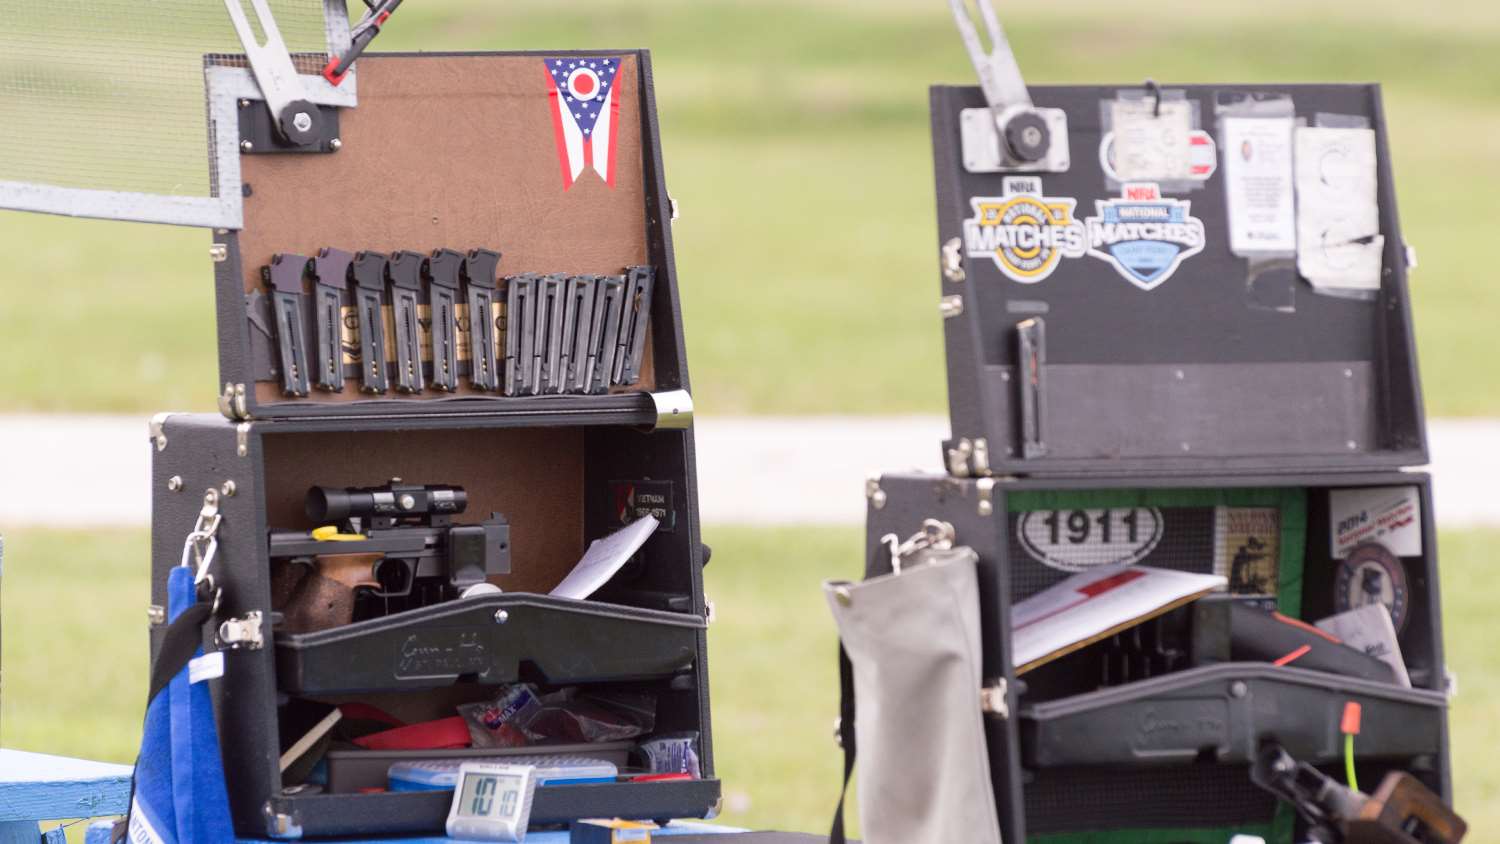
1279	830
1290	502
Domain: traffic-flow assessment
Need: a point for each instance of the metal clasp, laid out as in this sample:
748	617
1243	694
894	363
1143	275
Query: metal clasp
245	633
935	534
202	544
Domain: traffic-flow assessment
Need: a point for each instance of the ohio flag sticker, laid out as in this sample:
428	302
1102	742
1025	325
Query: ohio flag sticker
585	115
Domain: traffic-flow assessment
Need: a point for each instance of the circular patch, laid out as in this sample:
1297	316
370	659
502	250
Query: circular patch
1372	574
583	84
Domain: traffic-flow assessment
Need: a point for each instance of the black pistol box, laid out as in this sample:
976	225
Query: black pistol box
1147	365
396	533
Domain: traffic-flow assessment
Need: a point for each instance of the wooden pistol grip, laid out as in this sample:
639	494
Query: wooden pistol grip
352	570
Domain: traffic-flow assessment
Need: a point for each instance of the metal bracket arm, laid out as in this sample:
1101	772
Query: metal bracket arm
295	117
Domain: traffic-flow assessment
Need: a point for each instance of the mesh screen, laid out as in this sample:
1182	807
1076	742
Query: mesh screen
1077	799
1241	534
110	95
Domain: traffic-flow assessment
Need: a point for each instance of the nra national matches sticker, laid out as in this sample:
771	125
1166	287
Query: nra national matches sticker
1025	233
1144	235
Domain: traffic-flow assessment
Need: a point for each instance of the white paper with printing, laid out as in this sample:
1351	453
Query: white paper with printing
1151	147
1339	244
1369	629
1390	515
1258	185
604	557
1090	606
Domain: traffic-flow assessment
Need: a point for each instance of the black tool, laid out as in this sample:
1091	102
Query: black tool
634	322
1401	811
478	275
284	278
441	271
330	272
403	272
359	39
520	333
546	373
368	272
604	331
1227	630
578	309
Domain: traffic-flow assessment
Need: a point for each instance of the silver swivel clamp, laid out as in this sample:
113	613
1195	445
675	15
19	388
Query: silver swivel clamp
295	118
1011	135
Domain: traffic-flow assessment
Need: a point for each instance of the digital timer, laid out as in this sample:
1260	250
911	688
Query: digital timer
492	802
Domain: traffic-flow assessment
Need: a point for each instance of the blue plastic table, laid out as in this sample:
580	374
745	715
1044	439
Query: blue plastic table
35	787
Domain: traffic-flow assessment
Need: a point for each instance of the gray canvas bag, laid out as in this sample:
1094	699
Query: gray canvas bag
910	657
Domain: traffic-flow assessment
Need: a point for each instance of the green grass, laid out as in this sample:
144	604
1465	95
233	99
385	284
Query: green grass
796	144
74	654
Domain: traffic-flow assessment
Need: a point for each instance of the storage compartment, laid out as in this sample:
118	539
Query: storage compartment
556	485
1151	730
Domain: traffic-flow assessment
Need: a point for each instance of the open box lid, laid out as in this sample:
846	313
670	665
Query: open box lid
456	151
1099	324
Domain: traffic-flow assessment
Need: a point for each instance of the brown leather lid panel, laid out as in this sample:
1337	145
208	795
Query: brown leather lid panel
457	152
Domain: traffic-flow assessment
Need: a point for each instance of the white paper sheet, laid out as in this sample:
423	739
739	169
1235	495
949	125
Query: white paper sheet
1258	185
1339	244
604	557
1390	515
1151	147
1087	606
1369	629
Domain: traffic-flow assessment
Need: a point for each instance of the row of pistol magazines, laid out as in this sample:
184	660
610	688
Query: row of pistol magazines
544	334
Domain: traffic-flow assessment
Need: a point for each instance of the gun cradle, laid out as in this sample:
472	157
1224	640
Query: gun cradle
318	584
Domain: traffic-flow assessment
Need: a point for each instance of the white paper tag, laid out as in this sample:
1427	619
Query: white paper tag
210	666
1390	515
1258	185
1151	147
1369	629
1339	244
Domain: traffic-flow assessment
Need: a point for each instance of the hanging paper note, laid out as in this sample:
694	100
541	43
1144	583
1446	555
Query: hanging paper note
1339	244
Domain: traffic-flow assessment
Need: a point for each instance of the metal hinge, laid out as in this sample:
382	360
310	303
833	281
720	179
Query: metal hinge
709	612
156	614
958	458
986	489
980	460
242	439
993	700
672	204
219	252
159	431
237	633
874	493
232	402
674	410
951	306
953	260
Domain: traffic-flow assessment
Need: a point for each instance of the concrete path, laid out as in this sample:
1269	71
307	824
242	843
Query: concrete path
83	471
